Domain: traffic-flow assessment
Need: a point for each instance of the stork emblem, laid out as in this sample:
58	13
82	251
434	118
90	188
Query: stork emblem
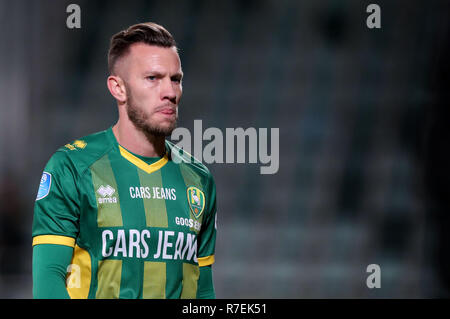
196	200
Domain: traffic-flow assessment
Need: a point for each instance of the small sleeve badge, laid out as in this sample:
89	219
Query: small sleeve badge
44	185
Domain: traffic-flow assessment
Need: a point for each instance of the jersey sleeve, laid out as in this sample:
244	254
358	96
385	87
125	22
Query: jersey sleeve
49	271
205	288
56	210
207	236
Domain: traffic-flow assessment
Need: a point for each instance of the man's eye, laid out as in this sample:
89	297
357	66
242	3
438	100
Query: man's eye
176	80
151	77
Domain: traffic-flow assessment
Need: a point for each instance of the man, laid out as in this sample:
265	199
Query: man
123	213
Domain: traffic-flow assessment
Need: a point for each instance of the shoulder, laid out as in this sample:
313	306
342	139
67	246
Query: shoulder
186	160
194	172
81	153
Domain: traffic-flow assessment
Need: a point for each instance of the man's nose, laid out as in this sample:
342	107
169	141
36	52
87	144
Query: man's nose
168	90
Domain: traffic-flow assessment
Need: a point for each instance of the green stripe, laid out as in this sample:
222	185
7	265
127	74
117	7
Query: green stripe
174	272
191	274
154	286
155	209
132	275
109	214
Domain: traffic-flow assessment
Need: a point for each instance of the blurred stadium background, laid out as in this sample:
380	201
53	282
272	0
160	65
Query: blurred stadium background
363	117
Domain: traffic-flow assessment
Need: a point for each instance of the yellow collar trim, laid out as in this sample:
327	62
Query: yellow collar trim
148	168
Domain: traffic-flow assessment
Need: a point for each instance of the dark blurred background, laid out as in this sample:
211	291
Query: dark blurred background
363	116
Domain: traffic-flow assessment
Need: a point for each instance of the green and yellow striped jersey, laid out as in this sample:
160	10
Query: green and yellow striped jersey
140	226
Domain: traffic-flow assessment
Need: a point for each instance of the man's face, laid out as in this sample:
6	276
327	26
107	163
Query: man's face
152	77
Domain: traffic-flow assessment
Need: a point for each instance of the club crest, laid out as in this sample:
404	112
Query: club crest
196	200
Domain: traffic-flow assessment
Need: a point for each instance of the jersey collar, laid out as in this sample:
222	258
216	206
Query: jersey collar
135	160
148	168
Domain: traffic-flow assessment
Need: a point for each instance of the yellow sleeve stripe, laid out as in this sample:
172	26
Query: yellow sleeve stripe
206	261
54	239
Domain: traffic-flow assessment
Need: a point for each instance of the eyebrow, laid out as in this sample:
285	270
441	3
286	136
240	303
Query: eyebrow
178	75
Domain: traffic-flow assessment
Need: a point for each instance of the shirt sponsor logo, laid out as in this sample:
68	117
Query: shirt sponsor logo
106	193
165	244
188	222
44	185
153	192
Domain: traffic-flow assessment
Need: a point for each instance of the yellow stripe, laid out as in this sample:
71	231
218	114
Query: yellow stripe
191	274
102	174
79	280
206	261
109	276
155	209
149	168
54	239
154	286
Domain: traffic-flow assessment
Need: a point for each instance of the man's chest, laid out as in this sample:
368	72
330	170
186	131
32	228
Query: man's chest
137	215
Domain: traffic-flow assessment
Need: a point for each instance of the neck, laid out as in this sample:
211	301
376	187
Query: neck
128	136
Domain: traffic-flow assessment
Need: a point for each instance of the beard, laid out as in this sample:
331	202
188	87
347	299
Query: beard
143	123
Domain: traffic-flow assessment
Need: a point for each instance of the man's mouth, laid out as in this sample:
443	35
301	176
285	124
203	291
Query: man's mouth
168	111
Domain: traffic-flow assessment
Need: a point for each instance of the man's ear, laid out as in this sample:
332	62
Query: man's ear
117	88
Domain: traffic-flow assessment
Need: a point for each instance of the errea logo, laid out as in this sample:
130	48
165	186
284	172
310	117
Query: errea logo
106	192
78	144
